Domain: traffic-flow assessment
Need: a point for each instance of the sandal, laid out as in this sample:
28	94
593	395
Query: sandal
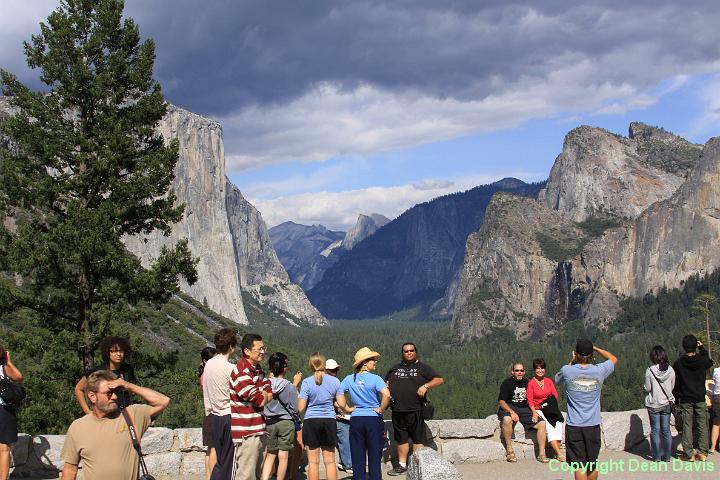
510	457
561	458
542	458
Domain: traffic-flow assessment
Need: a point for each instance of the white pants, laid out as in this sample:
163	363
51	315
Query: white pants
553	433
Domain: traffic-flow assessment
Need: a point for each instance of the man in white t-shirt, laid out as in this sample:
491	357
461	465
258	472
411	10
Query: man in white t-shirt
216	397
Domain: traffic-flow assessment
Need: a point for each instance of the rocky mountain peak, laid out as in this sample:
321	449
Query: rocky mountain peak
599	173
365	226
664	150
509	183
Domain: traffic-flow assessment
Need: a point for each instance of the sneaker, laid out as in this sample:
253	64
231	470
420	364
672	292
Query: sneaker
397	471
343	468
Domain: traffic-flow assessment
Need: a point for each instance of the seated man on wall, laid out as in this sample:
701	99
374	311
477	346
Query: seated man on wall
513	408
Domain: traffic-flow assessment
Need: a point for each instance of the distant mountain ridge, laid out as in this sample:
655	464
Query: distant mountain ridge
412	259
300	249
308	251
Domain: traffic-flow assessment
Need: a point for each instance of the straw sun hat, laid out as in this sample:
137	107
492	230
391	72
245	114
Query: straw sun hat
362	355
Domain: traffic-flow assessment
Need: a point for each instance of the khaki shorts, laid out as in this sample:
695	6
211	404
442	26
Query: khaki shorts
281	435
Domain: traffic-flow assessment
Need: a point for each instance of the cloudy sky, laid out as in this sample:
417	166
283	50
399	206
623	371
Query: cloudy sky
331	108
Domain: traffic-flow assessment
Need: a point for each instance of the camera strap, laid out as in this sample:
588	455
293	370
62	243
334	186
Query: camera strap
134	439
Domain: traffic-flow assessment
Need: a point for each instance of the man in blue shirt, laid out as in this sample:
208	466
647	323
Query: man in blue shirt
584	382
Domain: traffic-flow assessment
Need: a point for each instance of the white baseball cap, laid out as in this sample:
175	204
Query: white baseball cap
331	364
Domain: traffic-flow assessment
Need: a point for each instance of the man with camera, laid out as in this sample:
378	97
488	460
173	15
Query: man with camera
101	439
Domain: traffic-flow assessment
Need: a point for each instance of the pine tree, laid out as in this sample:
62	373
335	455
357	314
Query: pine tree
85	167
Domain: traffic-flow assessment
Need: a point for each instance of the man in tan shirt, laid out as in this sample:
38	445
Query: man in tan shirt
101	438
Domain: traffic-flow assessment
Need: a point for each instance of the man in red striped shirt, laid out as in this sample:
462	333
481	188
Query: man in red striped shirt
249	392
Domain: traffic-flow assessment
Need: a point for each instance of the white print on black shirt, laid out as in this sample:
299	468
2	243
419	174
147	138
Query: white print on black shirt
519	395
406	372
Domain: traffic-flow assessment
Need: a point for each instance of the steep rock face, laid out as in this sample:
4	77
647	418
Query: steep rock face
200	184
365	226
508	280
411	260
224	231
259	269
599	173
669	242
533	269
300	249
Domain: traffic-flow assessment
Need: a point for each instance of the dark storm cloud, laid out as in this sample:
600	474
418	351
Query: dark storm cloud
215	57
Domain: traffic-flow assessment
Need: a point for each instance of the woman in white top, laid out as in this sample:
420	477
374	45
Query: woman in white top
715	411
8	420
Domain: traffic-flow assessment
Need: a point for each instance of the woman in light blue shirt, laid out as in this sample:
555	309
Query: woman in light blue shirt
319	431
371	398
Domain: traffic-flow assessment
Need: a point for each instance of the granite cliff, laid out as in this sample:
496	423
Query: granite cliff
365	226
410	261
223	229
303	250
200	184
259	269
619	217
600	173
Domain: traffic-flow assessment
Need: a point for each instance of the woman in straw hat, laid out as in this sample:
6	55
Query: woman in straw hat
319	432
371	398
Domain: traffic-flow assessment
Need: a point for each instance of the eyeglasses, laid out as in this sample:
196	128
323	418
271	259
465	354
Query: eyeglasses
108	394
519	370
408	351
261	349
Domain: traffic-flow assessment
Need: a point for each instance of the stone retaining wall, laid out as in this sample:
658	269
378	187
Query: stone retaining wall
180	451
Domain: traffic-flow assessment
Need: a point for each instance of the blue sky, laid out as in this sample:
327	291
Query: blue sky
332	108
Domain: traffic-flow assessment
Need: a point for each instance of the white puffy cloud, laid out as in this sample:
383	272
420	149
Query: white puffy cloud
708	121
339	210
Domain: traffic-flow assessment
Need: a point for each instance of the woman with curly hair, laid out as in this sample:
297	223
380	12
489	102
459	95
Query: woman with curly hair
114	351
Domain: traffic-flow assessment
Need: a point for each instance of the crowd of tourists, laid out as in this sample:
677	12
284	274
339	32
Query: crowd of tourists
253	428
252	424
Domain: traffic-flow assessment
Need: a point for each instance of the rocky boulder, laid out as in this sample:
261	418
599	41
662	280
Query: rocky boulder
427	464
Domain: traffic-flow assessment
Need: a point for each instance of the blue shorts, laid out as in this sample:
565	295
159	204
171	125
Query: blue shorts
524	413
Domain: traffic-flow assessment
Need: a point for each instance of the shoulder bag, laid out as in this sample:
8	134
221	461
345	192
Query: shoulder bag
136	445
427	409
294	416
673	407
11	392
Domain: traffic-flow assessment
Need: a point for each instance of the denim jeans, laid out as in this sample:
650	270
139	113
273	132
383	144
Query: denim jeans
367	437
660	437
343	435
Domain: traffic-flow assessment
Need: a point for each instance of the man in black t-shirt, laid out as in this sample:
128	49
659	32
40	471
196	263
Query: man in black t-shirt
409	382
513	407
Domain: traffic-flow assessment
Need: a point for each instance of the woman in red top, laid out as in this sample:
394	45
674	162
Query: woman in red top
538	390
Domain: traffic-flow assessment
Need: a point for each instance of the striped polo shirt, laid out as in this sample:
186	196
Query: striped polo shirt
246	386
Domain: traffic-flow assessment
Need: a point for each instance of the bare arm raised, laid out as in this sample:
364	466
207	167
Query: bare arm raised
156	400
